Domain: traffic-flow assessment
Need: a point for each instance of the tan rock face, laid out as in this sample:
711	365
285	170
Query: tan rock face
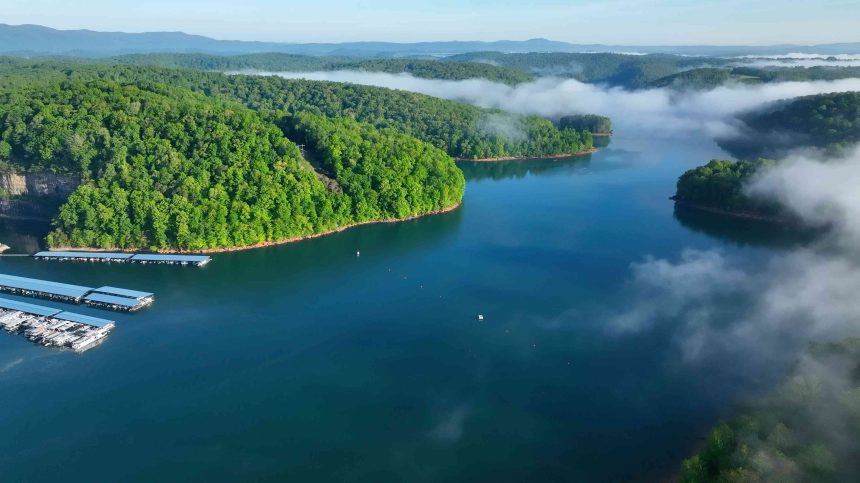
39	184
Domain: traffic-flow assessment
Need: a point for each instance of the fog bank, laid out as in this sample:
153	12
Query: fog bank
655	112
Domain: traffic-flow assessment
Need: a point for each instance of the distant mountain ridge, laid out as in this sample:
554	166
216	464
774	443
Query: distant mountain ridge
40	40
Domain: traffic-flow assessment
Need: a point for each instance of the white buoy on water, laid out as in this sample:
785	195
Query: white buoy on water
357	253
480	316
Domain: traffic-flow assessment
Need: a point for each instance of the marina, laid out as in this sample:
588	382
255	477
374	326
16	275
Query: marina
52	327
106	297
119	257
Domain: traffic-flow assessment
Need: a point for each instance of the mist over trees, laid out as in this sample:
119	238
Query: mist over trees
806	430
275	62
828	121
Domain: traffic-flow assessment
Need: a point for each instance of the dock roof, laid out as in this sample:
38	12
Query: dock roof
44	286
122	292
111	255
157	257
9	304
112	299
83	319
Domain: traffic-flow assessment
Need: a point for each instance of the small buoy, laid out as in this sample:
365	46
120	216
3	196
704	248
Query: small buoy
357	253
480	316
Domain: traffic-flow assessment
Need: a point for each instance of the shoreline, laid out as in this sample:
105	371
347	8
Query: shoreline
263	244
743	215
584	152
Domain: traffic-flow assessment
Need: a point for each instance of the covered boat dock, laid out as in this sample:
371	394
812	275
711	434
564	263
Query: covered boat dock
104	297
51	327
144	258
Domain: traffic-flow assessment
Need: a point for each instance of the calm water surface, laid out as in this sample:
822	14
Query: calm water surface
305	362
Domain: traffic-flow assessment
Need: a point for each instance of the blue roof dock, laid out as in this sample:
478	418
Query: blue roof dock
156	258
104	297
83	319
11	283
87	255
123	292
32	309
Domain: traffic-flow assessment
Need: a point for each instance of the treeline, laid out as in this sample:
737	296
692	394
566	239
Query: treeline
828	121
720	185
807	430
710	77
698	79
462	130
276	62
164	168
617	70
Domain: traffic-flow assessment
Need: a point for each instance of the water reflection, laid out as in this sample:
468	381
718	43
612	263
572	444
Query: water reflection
23	236
331	252
601	141
743	232
499	170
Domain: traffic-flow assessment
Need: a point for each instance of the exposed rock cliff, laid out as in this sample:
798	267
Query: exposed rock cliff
34	195
38	184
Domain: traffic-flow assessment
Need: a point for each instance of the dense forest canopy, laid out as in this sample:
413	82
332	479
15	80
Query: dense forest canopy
710	77
720	185
622	70
165	168
462	130
385	174
807	430
274	62
829	121
586	122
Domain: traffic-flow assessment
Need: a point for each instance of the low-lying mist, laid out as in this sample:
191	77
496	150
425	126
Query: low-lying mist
801	60
654	112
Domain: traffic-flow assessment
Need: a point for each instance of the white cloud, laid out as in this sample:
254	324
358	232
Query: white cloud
655	112
821	193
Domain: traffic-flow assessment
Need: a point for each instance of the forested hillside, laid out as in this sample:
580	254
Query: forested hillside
829	121
462	130
709	77
807	430
274	62
165	168
622	70
384	173
719	185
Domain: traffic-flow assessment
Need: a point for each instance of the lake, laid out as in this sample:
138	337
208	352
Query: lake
307	362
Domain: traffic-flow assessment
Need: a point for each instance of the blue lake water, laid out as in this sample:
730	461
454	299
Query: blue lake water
305	362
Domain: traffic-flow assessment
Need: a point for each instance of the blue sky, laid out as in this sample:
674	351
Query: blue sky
632	22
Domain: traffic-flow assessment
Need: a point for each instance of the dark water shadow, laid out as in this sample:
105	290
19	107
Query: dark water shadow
23	236
601	141
744	232
376	242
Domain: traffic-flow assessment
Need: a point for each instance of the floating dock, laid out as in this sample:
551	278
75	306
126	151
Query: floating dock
52	327
103	297
144	258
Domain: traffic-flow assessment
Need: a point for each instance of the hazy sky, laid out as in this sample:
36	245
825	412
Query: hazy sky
580	21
